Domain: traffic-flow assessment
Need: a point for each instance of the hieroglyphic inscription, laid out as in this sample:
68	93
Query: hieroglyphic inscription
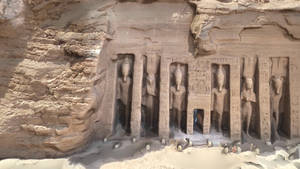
235	116
164	116
294	96
137	96
264	98
199	77
224	60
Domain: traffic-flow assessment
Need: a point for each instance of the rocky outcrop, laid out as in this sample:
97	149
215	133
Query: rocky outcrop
209	17
49	55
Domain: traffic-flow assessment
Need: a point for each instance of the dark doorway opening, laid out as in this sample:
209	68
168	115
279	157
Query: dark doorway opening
198	120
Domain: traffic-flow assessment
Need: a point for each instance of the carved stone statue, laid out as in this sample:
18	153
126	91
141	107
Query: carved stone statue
124	91
219	96
248	96
150	98
178	95
150	91
279	69
276	94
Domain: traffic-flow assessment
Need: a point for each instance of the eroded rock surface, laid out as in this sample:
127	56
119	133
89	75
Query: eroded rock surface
48	64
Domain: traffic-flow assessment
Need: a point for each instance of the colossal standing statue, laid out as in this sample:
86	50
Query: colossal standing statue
150	98
150	91
219	96
177	98
248	96
124	91
279	68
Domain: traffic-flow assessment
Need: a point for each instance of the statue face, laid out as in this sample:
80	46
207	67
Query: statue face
220	81
277	83
249	83
150	78
125	71
178	79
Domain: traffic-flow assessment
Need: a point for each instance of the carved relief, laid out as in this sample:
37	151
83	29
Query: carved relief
199	77
248	95
178	95
220	97
124	91
150	93
278	90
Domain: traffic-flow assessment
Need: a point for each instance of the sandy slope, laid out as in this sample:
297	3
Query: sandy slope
204	158
166	158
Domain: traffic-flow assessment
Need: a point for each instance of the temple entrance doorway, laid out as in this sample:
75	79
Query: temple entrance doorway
198	120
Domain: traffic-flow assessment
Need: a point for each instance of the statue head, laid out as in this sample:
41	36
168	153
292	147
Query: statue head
178	77
125	69
277	83
220	77
150	78
249	83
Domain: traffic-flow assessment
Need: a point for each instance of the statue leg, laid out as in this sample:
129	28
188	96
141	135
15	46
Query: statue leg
276	122
179	119
214	119
220	121
126	118
151	118
248	122
173	117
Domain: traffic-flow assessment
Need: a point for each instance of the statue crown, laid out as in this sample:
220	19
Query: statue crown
178	71
220	72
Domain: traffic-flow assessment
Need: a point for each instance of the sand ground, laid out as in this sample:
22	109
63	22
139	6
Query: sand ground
96	157
102	155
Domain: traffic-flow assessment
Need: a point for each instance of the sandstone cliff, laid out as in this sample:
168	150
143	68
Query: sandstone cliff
48	64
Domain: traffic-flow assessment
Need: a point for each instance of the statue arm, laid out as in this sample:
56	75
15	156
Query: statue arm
253	97
243	98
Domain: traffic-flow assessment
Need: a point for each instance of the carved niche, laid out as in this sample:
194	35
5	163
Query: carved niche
178	96
279	96
150	100
124	90
249	108
220	96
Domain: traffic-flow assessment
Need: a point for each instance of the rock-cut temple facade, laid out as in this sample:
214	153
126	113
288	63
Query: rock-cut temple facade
73	72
